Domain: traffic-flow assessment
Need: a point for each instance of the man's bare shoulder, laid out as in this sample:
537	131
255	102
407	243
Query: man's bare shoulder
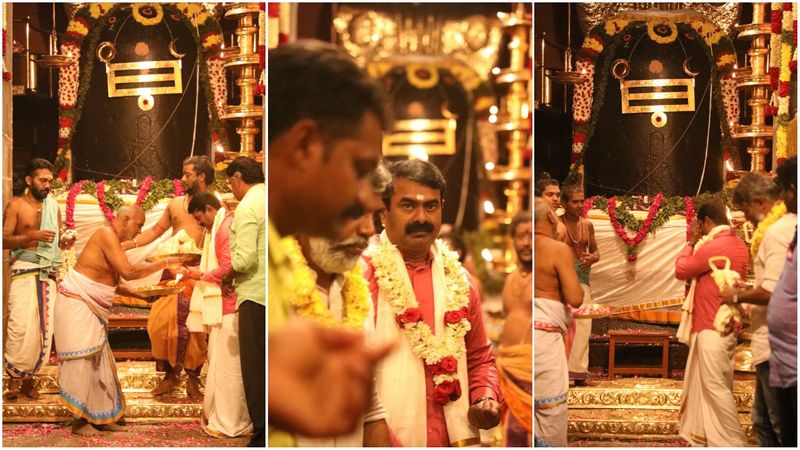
14	204
550	244
102	236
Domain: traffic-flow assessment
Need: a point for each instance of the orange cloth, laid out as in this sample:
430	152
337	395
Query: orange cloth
515	367
163	329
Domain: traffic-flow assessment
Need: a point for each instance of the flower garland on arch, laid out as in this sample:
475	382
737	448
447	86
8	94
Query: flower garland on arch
106	193
439	353
308	302
73	82
588	95
659	212
777	211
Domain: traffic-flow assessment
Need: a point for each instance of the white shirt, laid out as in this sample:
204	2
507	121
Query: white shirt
767	267
335	303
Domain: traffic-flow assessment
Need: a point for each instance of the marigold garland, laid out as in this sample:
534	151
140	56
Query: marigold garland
307	301
777	211
439	353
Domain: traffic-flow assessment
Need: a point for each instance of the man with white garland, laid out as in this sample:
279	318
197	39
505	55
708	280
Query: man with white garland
440	385
708	410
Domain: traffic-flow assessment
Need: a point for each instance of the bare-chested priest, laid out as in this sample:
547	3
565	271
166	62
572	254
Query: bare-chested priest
580	238
166	323
515	354
31	230
87	376
555	286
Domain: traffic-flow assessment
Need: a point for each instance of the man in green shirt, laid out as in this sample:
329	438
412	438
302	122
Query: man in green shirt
248	250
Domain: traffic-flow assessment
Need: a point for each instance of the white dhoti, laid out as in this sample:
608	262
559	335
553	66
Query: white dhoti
224	405
708	410
551	377
31	301
87	375
579	353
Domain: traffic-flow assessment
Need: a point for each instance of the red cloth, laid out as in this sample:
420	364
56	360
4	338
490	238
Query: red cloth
222	247
481	369
706	294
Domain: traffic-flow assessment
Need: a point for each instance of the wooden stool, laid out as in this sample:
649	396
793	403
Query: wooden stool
627	337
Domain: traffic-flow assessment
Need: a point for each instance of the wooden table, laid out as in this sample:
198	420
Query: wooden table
638	337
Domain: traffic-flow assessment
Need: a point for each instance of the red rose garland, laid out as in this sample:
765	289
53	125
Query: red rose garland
176	184
587	205
143	190
101	200
73	192
633	242
689	214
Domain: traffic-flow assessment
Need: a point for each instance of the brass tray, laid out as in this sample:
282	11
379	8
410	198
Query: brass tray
191	259
158	291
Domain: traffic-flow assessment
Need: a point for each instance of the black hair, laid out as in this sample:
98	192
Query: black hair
37	164
249	168
544	181
458	243
520	218
311	79
201	165
416	170
786	174
714	211
569	190
201	200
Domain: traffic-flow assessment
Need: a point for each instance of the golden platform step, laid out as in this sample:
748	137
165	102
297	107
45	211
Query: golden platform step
137	380
641	409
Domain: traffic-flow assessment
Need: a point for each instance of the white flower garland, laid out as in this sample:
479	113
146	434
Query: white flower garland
396	289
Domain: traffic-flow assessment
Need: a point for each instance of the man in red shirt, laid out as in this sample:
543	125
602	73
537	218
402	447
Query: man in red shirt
440	385
708	410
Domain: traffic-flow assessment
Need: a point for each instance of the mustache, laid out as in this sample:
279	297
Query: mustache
356	240
416	227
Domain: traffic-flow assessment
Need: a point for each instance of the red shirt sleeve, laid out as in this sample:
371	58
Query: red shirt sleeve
480	357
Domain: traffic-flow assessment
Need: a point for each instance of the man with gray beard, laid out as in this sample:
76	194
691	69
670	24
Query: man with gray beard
340	297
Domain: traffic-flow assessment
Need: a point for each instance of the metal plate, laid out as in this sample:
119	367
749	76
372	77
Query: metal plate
158	291
186	258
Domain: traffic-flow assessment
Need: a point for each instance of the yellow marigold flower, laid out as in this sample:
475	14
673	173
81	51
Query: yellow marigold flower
786	55
212	40
726	59
615	26
77	27
98	9
593	44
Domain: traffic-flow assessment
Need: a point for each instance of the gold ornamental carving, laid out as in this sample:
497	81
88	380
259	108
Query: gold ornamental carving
377	37
724	15
421	136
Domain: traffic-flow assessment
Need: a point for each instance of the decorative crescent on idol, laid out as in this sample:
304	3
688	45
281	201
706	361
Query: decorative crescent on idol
173	51
687	70
106	51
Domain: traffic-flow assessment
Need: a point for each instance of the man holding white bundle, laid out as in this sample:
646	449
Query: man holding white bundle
708	409
224	406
